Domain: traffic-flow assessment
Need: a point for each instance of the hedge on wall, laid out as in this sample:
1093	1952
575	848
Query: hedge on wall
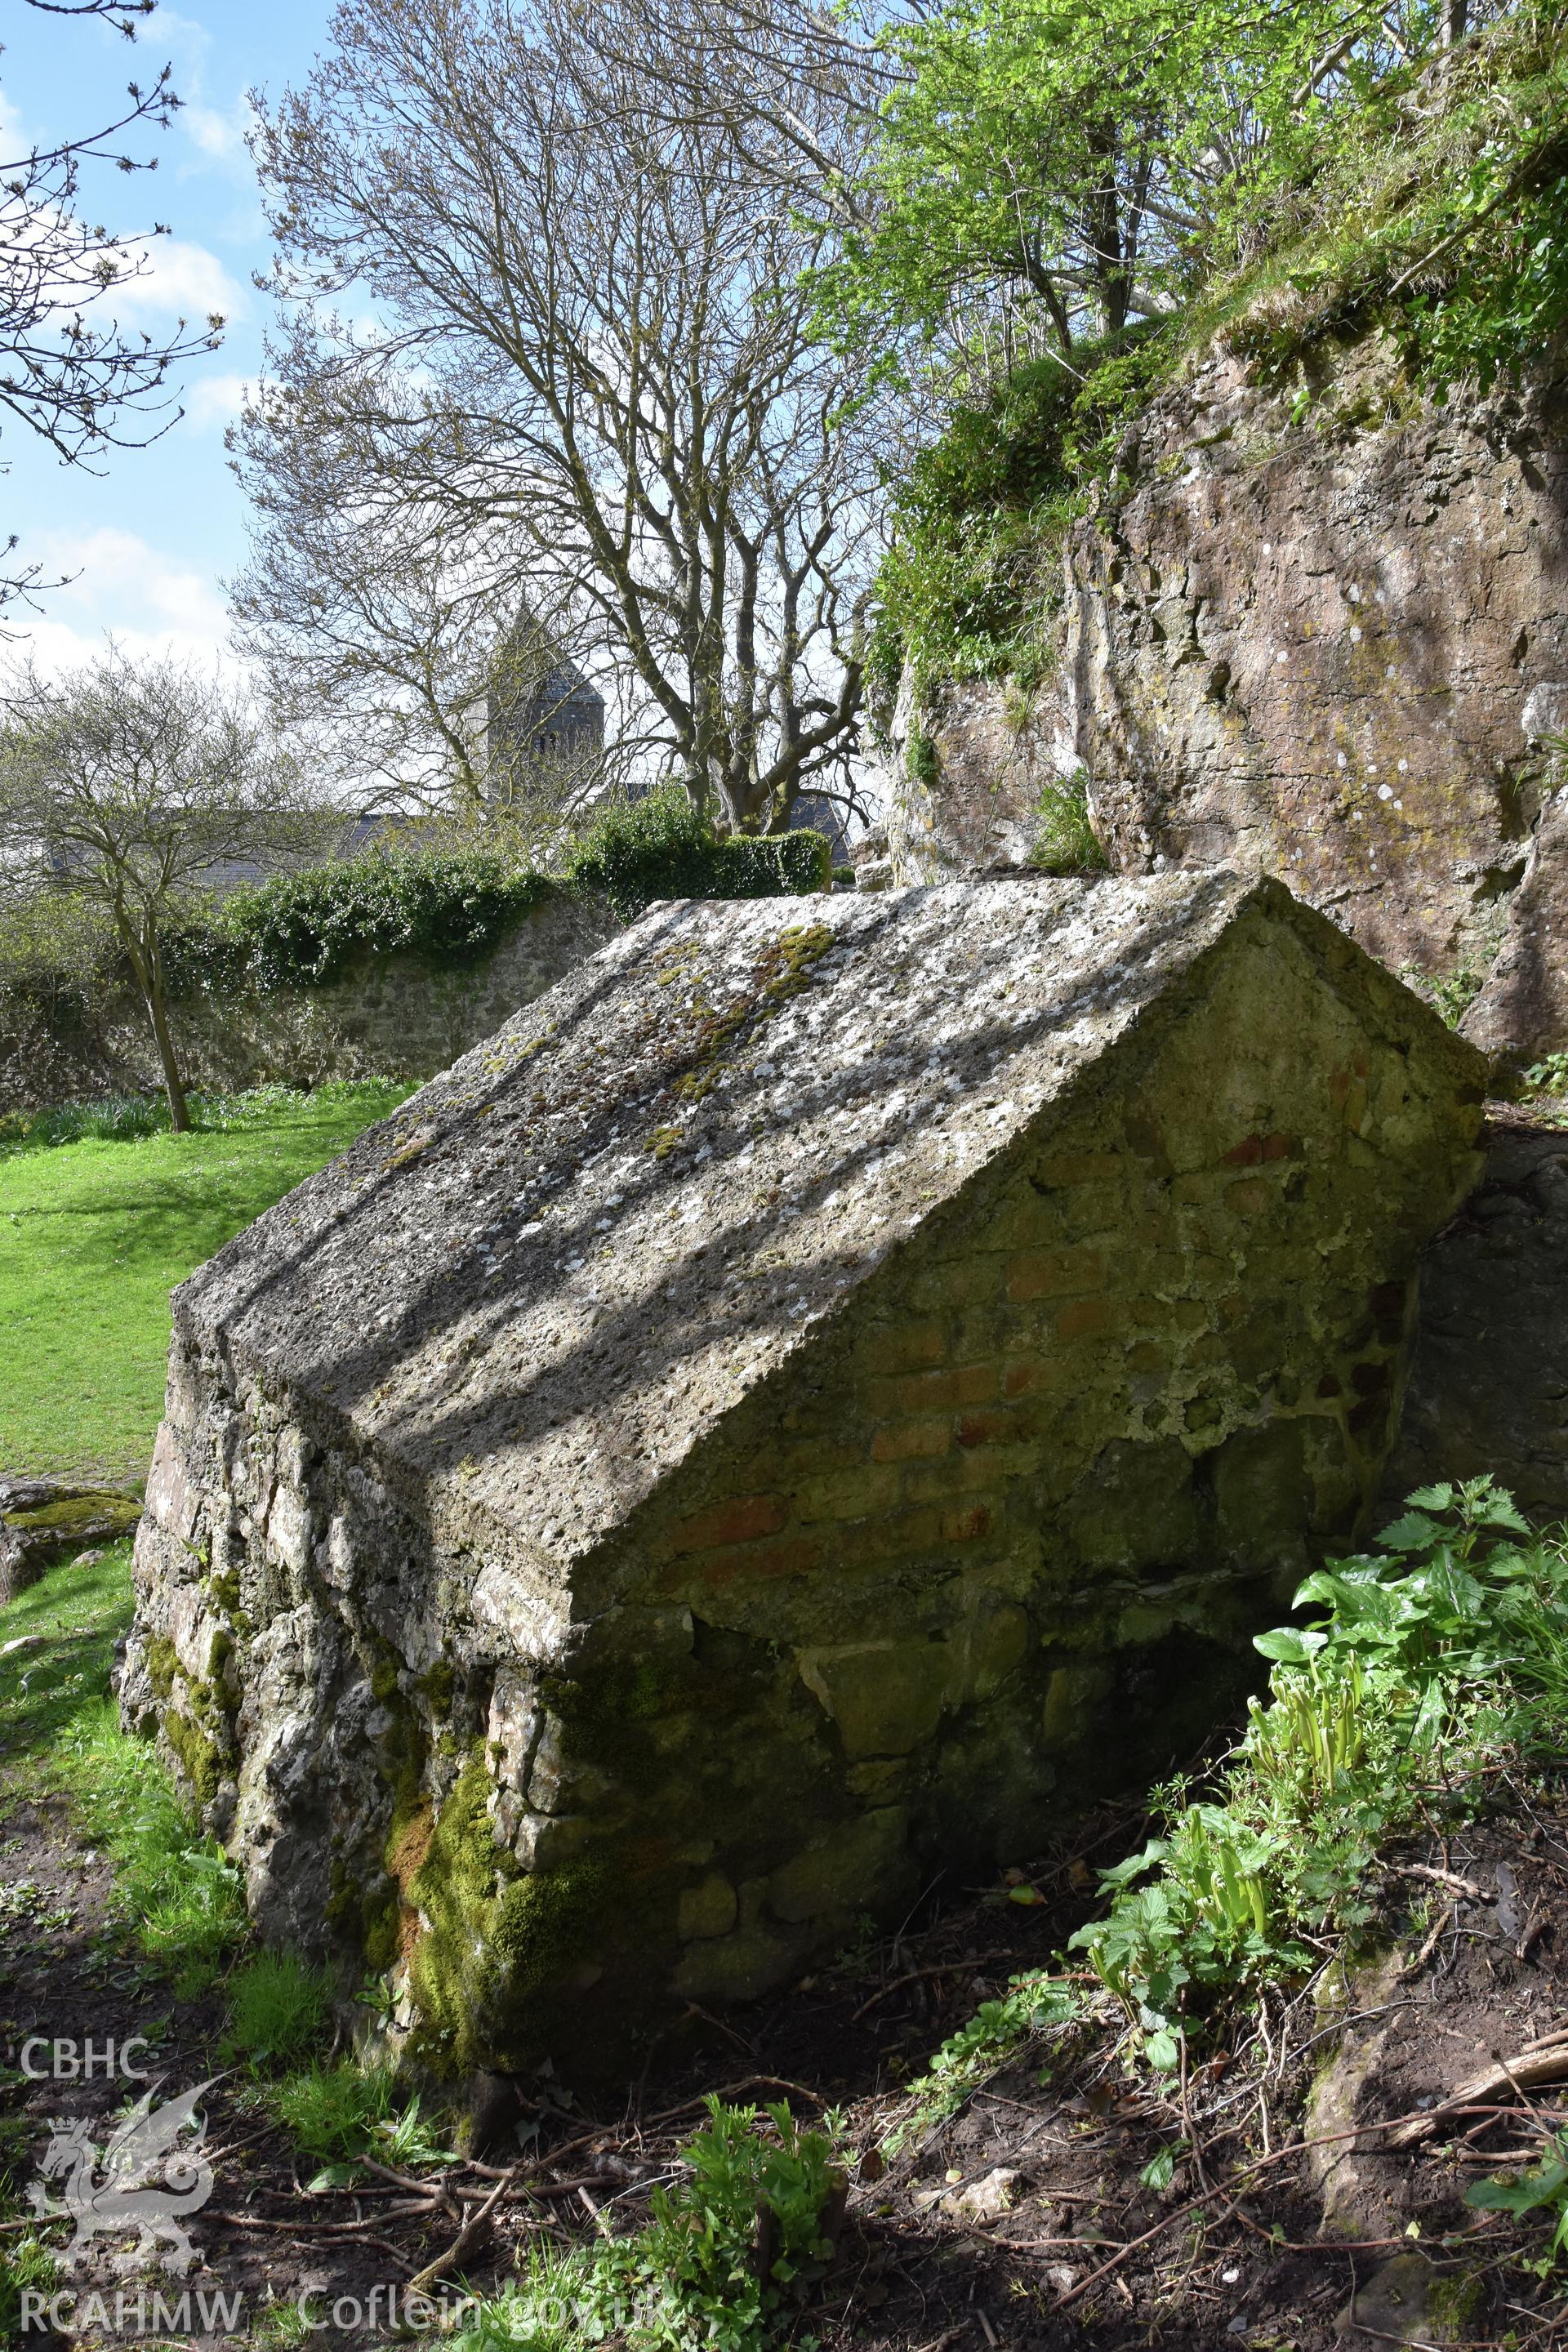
451	907
302	930
662	847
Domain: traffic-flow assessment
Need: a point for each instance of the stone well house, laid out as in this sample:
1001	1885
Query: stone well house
819	1393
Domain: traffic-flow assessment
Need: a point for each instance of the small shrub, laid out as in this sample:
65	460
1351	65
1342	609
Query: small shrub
278	2006
921	758
449	907
663	848
971	583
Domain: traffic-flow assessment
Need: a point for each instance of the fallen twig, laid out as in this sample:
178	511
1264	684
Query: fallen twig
463	2244
436	2188
1447	1878
1524	2073
1195	2204
360	2232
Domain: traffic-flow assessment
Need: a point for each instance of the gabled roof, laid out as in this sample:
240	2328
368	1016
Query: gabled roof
540	1284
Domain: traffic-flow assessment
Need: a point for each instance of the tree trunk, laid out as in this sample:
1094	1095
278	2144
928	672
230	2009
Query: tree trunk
146	963
173	1085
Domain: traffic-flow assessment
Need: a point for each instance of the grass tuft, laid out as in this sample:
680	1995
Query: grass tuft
331	2110
178	1886
279	2007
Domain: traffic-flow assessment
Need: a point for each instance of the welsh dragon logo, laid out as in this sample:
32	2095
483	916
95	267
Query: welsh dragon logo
143	2181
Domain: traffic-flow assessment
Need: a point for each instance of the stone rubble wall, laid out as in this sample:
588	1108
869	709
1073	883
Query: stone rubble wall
388	1016
1310	647
995	1545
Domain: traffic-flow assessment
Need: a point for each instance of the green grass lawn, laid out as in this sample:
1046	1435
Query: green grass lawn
94	1236
57	1646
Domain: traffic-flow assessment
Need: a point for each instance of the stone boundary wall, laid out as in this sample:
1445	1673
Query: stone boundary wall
390	1015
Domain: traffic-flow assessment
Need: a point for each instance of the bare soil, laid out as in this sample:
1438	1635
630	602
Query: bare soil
1072	2248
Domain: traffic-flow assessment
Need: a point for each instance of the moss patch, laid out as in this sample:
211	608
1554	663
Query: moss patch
80	1518
488	1970
200	1757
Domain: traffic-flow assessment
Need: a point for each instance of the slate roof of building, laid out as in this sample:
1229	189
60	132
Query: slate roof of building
541	1281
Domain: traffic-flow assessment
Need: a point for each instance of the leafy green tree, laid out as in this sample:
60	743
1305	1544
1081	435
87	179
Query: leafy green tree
1091	161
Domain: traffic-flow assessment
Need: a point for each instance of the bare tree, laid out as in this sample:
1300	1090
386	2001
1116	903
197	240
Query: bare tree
68	371
588	376
379	620
127	786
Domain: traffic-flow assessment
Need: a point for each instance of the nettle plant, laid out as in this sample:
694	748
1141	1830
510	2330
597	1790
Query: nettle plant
1449	1640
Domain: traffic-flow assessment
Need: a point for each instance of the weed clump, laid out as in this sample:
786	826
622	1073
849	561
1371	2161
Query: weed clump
719	2267
331	2110
178	1887
1065	838
1437	1654
278	2007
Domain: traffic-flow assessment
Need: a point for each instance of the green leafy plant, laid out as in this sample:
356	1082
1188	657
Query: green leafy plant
445	903
1545	1086
283	2325
278	2006
331	2110
720	2265
1539	2187
1028	139
663	848
1033	2007
1402	1671
176	1885
28	2265
413	2140
1065	839
446	906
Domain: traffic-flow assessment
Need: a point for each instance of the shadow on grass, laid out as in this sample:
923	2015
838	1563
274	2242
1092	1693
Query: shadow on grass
55	1677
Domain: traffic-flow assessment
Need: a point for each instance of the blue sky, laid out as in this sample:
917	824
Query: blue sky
152	540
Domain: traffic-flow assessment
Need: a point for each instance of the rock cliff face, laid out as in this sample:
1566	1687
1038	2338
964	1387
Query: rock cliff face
1309	645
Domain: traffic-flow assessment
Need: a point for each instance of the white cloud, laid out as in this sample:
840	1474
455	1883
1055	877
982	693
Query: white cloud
214	401
215	132
179	280
184	37
122	585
